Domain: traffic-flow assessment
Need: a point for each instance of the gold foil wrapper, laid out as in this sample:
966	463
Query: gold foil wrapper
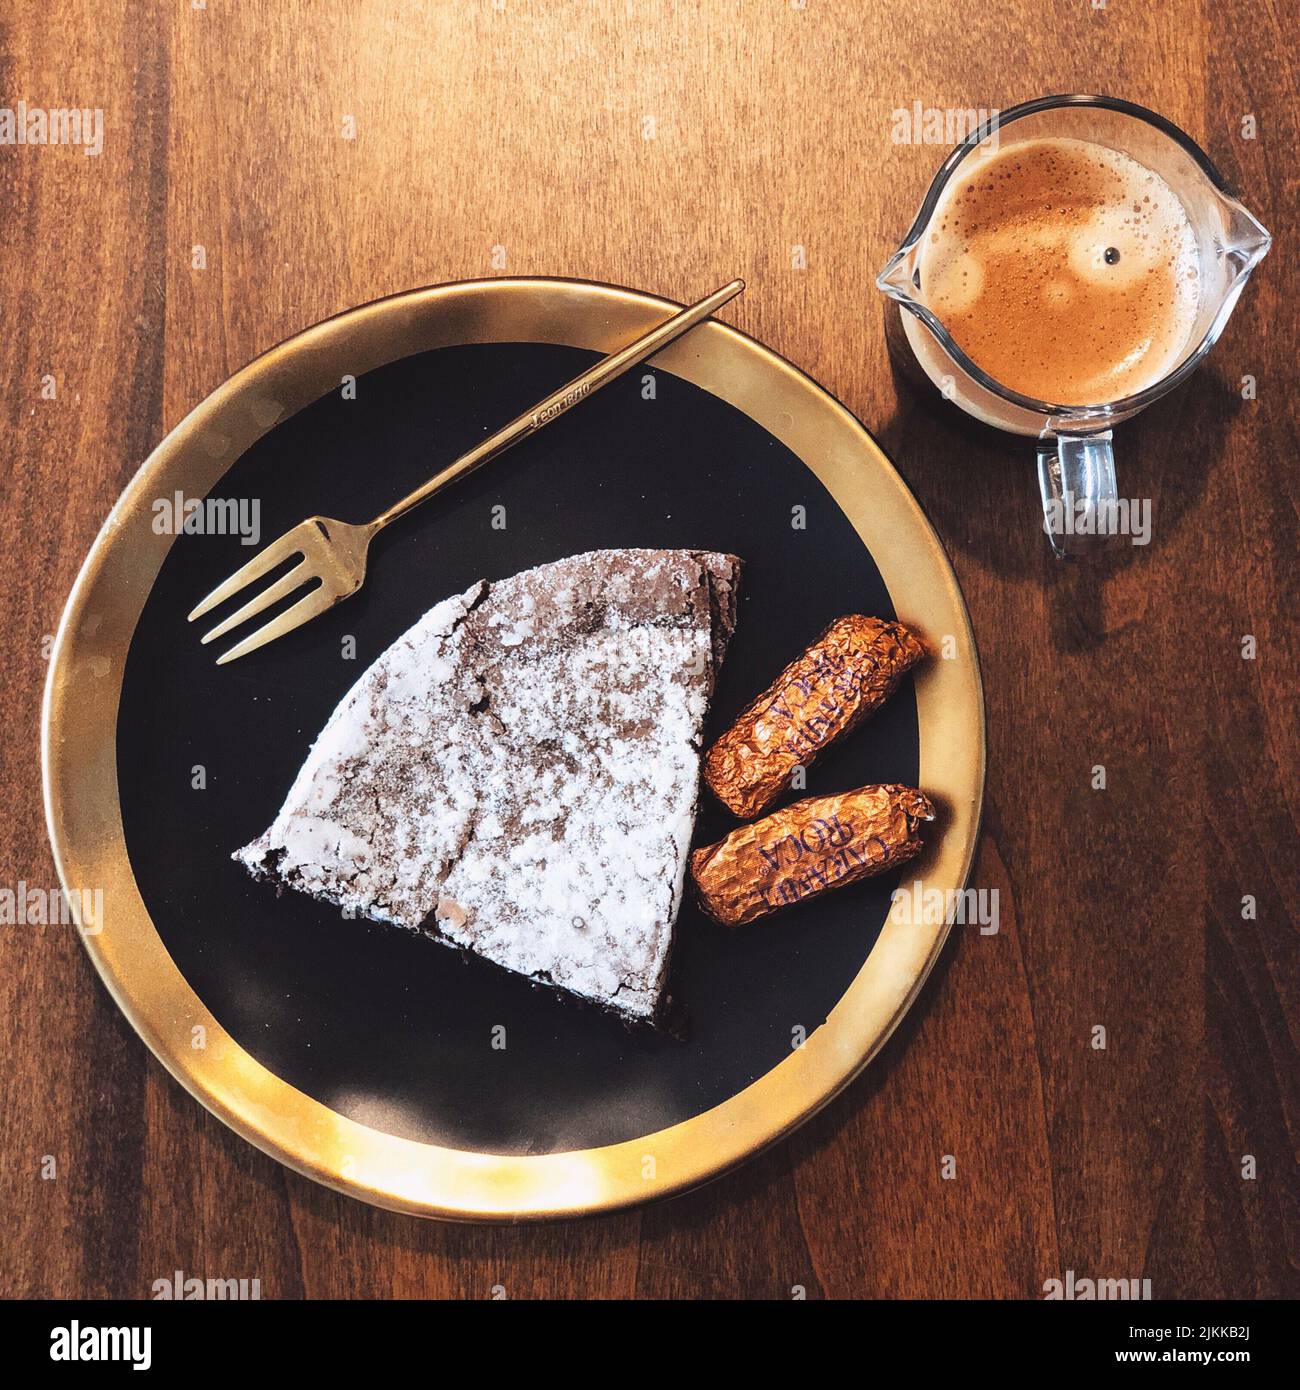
851	670
807	849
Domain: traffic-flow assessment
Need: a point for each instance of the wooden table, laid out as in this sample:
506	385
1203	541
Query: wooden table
670	146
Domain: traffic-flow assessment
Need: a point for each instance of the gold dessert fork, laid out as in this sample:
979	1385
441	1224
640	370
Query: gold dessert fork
334	552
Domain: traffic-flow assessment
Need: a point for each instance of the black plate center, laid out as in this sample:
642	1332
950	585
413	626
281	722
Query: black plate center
390	1030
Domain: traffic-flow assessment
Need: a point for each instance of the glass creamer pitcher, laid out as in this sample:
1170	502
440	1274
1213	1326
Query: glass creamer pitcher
1076	465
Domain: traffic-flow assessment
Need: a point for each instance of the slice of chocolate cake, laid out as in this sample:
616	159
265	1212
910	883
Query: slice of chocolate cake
518	773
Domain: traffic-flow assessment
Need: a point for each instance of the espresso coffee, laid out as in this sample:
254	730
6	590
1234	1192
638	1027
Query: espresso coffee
1065	270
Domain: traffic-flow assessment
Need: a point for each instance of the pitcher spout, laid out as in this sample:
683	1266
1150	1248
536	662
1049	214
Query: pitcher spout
1245	237
899	278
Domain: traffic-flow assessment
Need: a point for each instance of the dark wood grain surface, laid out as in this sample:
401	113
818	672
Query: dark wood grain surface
670	146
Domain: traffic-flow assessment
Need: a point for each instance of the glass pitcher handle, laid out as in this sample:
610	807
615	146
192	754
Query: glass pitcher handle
1076	474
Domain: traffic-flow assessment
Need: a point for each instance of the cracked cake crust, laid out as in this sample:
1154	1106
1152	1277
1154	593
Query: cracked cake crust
518	773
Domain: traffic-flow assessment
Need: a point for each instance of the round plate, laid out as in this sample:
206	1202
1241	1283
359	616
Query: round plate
367	1058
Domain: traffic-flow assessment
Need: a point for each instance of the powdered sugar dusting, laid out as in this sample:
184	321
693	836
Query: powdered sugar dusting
519	772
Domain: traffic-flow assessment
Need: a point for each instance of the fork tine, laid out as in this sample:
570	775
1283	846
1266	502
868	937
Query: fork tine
274	554
286	584
307	607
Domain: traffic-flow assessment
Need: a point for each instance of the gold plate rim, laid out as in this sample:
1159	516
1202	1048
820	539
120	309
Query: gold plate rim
83	816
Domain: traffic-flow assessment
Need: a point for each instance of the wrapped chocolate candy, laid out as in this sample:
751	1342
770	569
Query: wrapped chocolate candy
851	670
807	849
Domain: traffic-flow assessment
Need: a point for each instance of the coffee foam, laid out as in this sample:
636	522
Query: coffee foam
1065	270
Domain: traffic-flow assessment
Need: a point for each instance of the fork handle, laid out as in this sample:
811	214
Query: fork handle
582	386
